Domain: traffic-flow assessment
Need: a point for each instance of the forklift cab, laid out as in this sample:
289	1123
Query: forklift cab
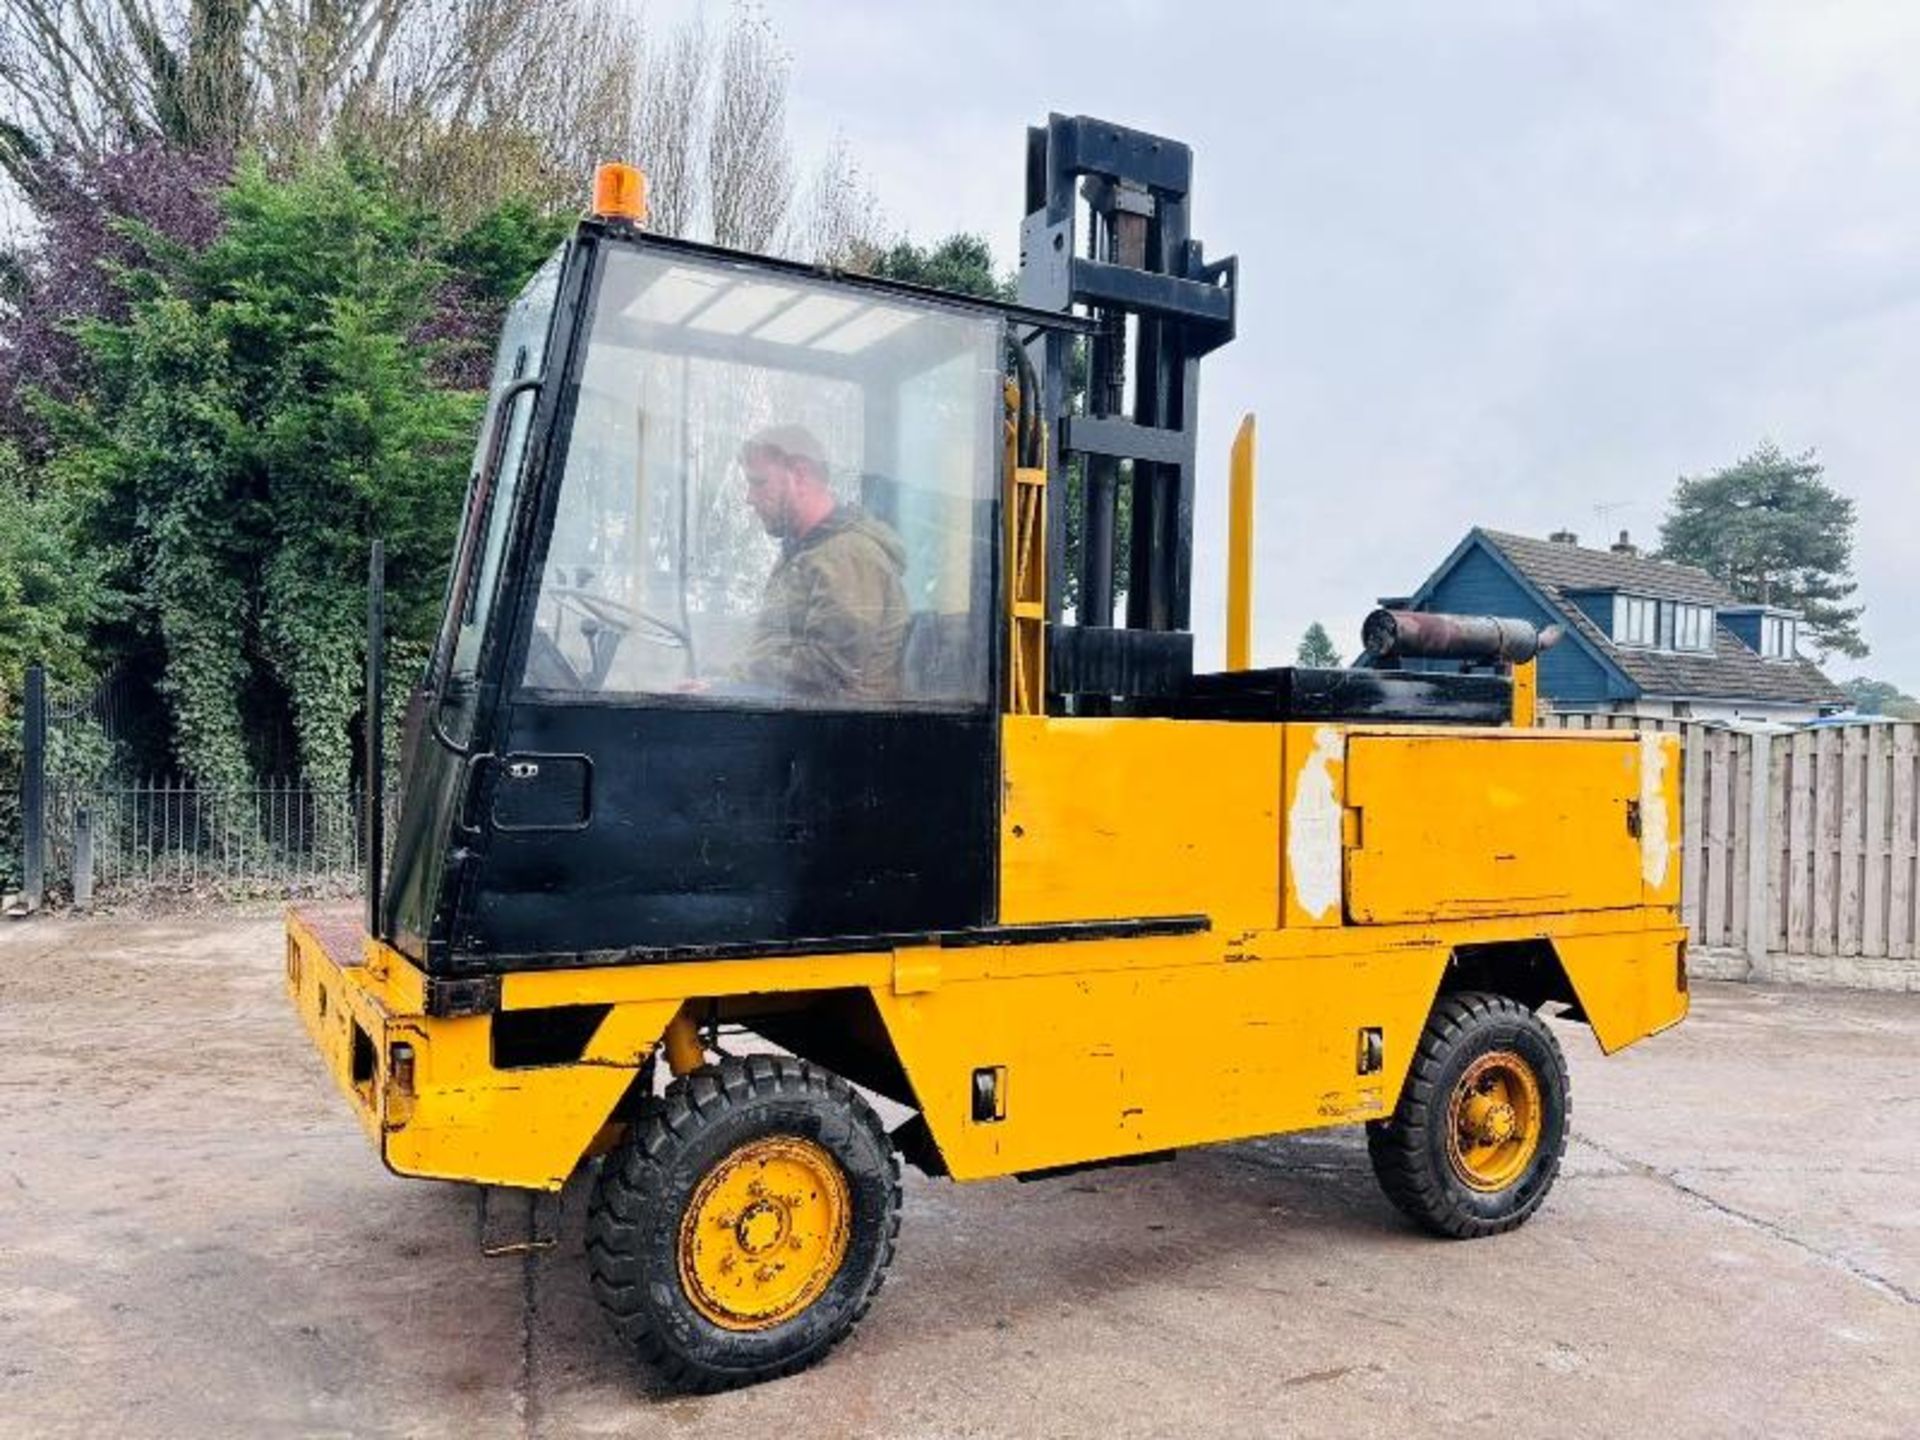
594	766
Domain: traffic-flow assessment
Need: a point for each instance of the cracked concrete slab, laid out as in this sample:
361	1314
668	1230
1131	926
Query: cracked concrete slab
196	1240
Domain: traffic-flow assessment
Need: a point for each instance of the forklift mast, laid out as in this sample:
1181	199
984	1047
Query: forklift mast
1158	306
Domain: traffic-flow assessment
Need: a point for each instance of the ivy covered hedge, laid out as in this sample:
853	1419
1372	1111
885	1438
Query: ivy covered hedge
239	395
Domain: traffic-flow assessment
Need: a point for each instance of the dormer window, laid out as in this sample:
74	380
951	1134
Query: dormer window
1636	620
1779	637
1692	627
1662	624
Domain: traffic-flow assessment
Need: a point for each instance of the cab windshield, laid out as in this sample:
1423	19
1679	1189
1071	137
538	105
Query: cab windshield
491	490
778	491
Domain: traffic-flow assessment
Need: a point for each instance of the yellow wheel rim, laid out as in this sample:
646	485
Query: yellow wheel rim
1493	1121
765	1233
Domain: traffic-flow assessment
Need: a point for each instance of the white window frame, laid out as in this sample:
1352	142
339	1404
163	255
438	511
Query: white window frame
1779	637
1636	621
1692	627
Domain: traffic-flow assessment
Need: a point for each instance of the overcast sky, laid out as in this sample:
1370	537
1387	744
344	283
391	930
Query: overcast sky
1512	265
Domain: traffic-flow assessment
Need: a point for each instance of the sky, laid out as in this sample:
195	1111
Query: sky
1513	265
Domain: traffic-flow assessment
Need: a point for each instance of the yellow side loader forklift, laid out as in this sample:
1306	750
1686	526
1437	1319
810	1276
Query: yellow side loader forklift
767	761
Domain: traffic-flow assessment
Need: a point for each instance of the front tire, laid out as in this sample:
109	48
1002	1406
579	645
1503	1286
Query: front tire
1476	1140
747	1223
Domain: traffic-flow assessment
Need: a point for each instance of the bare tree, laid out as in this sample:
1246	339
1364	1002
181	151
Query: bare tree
466	101
409	79
668	141
76	77
556	92
840	221
711	135
749	173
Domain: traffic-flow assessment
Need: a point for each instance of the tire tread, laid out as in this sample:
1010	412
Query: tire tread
623	1199
1400	1147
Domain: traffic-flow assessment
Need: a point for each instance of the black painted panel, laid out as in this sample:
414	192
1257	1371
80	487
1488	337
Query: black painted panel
1301	693
430	777
714	826
543	792
1096	660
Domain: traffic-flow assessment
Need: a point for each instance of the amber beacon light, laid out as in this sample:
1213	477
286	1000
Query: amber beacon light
620	193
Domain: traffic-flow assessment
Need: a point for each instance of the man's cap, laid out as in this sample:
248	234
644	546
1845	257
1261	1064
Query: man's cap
794	442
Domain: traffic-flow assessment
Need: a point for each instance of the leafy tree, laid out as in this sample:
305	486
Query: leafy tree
96	218
232	380
487	265
960	262
495	255
264	410
1778	534
1877	697
103	218
1316	648
50	585
50	594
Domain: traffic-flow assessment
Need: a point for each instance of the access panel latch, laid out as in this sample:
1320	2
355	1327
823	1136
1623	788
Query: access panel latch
543	792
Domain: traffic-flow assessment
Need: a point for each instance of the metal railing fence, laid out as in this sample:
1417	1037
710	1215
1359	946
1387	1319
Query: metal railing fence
78	824
164	833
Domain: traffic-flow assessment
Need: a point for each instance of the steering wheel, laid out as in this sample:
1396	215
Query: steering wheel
605	622
618	615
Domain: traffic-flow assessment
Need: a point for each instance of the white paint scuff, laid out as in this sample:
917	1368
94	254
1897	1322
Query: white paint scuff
1655	848
1313	828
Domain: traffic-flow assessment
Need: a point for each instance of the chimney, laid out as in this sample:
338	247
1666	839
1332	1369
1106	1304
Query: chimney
1624	546
1564	537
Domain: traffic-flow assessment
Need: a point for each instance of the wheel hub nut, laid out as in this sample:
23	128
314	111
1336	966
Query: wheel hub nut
761	1227
1498	1124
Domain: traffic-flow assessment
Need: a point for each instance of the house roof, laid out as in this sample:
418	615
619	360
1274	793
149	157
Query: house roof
1571	568
1732	672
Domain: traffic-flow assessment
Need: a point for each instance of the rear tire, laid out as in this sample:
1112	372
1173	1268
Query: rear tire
746	1224
1475	1143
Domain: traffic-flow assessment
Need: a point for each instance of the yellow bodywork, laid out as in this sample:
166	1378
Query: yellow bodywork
1311	882
1107	818
1240	549
1447	827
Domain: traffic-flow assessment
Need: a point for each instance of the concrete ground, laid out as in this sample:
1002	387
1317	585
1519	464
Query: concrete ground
196	1240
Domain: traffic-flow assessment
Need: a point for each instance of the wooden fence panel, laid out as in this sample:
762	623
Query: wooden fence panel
1853	811
1693	836
1825	784
1818	855
1900	890
1739	841
1877	842
1717	849
1798	863
1771	889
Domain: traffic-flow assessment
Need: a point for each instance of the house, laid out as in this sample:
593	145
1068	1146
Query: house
1644	637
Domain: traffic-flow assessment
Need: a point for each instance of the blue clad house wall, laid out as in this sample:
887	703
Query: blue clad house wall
1745	624
1597	606
1477	584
